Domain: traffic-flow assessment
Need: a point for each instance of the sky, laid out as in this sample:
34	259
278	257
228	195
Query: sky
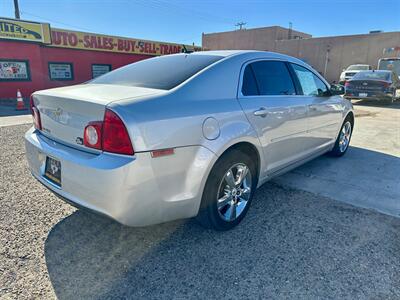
184	21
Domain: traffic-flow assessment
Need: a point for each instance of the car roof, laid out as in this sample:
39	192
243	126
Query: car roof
223	53
249	54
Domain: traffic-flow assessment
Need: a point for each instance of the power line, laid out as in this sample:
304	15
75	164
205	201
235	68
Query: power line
192	11
54	21
170	8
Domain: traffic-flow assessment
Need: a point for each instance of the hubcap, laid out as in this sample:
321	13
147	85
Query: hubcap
234	192
345	135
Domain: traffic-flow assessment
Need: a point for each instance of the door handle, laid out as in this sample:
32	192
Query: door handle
262	112
313	108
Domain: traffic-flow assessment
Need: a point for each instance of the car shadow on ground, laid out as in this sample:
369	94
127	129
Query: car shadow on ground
292	244
361	177
377	103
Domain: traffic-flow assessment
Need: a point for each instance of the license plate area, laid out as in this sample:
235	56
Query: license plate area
52	171
363	94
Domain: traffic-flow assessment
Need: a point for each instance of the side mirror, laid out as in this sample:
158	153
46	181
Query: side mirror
337	89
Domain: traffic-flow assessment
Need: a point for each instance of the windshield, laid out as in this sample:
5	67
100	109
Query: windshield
358	67
372	75
164	72
393	64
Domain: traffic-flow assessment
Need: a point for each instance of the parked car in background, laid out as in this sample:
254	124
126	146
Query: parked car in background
184	135
351	71
392	64
379	84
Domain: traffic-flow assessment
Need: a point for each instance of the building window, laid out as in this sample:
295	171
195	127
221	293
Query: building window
61	71
100	69
14	70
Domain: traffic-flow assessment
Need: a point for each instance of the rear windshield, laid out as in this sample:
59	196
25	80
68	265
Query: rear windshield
164	72
393	65
372	75
358	67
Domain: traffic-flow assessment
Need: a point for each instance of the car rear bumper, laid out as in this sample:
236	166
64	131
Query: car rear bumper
358	94
134	190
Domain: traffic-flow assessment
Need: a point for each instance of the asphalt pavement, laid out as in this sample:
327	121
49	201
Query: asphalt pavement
292	244
369	174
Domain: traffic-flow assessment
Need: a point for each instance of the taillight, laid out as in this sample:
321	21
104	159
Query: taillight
109	135
31	104
93	134
35	115
115	136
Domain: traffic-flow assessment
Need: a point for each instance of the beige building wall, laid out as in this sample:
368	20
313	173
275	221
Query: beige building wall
341	51
334	53
257	38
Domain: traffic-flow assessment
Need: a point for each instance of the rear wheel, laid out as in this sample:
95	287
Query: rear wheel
228	192
391	99
343	140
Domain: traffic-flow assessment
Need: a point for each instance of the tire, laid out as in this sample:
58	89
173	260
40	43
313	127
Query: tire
343	137
391	99
223	205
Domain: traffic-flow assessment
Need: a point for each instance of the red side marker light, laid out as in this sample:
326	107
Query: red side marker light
163	152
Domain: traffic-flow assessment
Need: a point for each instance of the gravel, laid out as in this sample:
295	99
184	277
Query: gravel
292	244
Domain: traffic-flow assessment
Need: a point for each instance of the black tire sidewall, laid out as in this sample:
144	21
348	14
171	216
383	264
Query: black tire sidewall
208	210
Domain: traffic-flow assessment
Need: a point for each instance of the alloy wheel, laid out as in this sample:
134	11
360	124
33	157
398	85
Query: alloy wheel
344	138
234	192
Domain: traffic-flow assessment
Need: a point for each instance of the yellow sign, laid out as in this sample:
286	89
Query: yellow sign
98	42
23	30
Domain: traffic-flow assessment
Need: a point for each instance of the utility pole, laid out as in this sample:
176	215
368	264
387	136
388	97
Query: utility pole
328	49
240	24
16	7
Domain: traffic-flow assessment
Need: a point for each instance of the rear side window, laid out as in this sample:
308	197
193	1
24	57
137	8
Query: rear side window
249	87
310	83
273	78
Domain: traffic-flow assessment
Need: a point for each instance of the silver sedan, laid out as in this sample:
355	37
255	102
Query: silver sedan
184	135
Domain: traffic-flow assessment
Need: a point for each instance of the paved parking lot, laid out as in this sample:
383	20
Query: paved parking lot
369	174
293	243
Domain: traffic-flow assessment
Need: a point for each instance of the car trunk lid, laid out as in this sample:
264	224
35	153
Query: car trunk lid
66	111
368	85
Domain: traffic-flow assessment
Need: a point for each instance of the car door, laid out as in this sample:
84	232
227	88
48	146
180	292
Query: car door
269	99
324	109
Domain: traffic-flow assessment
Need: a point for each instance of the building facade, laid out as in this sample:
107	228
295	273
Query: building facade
328	55
34	56
254	39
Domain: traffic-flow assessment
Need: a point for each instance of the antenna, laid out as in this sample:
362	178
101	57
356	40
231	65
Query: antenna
240	25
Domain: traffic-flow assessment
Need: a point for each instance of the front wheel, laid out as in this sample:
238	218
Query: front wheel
343	140
393	96
228	192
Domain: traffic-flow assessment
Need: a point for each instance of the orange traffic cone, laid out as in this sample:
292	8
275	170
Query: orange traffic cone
20	101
